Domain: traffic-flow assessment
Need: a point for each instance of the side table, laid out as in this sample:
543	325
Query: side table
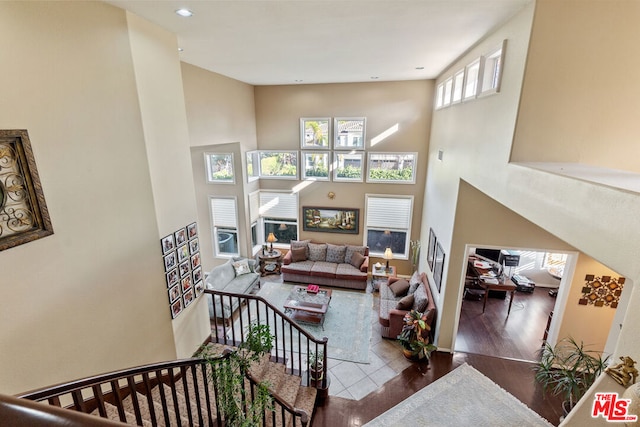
270	262
381	275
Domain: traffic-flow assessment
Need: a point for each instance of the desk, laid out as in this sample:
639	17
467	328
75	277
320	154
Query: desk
270	262
508	286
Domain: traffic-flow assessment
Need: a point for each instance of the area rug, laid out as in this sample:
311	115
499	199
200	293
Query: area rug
463	397
347	323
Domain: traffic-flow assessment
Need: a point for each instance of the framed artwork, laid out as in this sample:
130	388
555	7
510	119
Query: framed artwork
199	287
168	244
188	297
349	133
438	266
431	251
174	293
172	277
192	230
183	253
184	268
220	168
24	216
195	261
331	220
170	261
176	308
197	275
315	133
194	246
181	236
186	284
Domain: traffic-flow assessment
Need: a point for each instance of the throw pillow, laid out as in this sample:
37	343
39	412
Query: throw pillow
298	254
357	259
420	300
241	267
414	281
301	244
405	303
335	253
317	251
351	249
399	287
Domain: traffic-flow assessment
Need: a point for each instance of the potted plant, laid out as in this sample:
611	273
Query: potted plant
568	369
415	336
316	366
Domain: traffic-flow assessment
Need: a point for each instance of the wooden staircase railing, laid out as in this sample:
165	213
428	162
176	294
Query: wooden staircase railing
145	394
293	350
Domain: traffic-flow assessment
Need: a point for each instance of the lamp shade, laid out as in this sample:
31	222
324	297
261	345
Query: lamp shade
387	254
271	238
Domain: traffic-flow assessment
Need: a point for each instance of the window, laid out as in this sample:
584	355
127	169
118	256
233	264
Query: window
279	213
225	226
279	164
439	95
347	167
458	82
315	165
398	168
471	79
554	263
492	70
219	168
254	217
315	133
253	171
349	133
388	224
448	88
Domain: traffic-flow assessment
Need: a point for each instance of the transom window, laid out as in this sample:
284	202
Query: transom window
399	168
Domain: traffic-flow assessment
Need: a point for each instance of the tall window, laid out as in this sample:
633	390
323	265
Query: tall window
224	218
388	224
279	214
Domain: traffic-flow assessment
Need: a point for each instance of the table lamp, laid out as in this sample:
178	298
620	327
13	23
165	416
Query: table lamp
271	238
387	255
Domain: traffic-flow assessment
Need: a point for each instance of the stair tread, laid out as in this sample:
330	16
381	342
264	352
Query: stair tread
288	388
180	403
306	399
113	415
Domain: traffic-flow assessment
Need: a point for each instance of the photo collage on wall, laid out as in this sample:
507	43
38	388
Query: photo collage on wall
181	253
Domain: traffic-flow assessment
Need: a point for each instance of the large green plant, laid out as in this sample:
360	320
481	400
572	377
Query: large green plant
237	406
414	337
568	369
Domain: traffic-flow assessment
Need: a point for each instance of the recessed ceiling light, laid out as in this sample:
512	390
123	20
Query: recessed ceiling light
374	78
184	12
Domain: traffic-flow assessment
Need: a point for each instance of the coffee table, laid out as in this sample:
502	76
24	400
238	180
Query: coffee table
303	306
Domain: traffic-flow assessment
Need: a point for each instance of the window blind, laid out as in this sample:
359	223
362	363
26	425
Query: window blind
278	205
393	213
254	206
223	212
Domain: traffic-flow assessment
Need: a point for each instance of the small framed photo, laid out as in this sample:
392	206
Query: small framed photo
186	284
172	278
181	236
195	261
183	253
188	297
197	275
170	261
184	268
199	287
432	248
192	230
168	244
176	308
174	293
194	246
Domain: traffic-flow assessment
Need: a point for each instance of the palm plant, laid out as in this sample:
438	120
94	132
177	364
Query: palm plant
569	369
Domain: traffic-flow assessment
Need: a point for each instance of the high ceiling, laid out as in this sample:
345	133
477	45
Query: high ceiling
272	42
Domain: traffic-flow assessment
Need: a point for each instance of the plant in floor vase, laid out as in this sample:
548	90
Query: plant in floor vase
238	405
415	336
568	369
316	366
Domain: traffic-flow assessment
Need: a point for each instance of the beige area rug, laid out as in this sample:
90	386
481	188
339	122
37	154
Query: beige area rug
463	397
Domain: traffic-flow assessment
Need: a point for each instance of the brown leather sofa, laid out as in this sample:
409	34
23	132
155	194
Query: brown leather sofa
391	318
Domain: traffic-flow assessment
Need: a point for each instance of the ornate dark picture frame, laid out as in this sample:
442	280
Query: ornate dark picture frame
331	220
24	216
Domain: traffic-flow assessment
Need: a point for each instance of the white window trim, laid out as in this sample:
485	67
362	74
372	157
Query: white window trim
393	223
448	92
497	52
336	129
334	166
458	82
215	224
478	79
255	160
413	175
303	121
294	177
439	96
292	213
304	166
207	168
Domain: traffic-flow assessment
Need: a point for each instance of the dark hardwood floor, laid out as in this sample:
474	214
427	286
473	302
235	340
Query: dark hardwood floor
491	343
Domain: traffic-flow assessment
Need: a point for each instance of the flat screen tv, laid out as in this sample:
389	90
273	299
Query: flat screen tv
492	254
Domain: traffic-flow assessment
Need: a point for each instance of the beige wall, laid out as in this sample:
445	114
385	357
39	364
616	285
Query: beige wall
90	298
407	104
580	98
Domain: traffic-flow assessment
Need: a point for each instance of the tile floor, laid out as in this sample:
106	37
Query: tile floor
354	381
